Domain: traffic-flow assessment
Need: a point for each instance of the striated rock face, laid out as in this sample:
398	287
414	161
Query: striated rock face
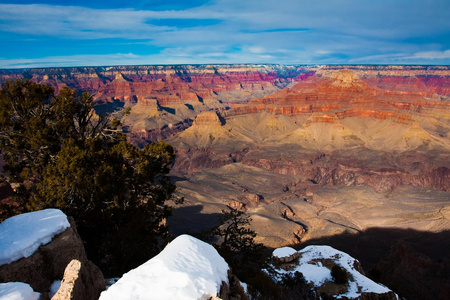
378	149
167	84
49	264
210	118
325	149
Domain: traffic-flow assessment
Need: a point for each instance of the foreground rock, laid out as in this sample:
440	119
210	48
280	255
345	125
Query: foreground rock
40	261
329	272
186	269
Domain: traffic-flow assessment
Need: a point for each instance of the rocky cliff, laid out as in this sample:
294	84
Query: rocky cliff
313	143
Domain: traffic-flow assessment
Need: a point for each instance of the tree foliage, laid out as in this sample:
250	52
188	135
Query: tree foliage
235	232
61	154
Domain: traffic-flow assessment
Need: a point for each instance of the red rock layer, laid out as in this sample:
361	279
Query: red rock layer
344	94
167	84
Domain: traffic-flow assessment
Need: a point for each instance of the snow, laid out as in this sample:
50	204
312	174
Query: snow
17	291
21	235
54	288
283	252
347	262
314	272
186	269
245	286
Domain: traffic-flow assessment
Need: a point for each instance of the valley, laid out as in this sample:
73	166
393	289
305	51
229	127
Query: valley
309	152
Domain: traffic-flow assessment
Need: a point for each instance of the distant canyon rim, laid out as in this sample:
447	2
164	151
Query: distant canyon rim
307	151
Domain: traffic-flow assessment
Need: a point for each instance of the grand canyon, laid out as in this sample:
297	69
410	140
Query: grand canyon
355	156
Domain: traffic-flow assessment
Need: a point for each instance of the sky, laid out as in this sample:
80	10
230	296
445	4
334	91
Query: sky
63	33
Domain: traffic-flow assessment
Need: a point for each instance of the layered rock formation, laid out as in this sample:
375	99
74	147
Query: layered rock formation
307	151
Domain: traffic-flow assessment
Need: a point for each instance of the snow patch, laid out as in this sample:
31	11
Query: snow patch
360	283
22	235
17	291
283	252
314	272
186	269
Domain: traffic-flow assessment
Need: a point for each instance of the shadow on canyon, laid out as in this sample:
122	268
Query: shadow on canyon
415	264
371	245
191	220
108	107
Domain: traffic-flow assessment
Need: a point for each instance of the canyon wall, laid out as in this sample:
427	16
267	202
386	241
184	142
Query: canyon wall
305	127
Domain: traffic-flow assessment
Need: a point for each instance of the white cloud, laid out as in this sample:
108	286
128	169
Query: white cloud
74	60
431	55
422	57
284	31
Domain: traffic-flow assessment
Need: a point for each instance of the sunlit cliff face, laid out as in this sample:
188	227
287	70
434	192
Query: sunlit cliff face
323	149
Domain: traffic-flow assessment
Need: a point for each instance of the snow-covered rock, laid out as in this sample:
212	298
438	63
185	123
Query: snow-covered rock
283	252
22	235
186	269
36	247
315	264
17	291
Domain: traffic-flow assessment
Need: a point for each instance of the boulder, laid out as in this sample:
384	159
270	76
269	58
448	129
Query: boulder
49	262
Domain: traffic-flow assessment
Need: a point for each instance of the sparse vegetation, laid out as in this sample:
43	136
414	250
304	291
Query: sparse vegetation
339	275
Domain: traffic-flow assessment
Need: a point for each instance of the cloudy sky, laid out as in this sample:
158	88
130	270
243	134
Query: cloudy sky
53	33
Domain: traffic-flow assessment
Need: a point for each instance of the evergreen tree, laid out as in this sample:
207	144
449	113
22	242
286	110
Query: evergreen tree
61	154
235	232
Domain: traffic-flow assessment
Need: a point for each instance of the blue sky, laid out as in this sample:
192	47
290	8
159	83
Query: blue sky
51	33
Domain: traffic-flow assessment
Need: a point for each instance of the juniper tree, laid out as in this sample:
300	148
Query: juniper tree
61	154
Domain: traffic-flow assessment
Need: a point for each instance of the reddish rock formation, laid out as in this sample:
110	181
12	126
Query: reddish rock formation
167	84
345	93
209	118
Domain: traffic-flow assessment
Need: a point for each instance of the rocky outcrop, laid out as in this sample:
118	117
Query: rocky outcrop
209	118
142	137
78	282
71	278
331	273
232	290
49	263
